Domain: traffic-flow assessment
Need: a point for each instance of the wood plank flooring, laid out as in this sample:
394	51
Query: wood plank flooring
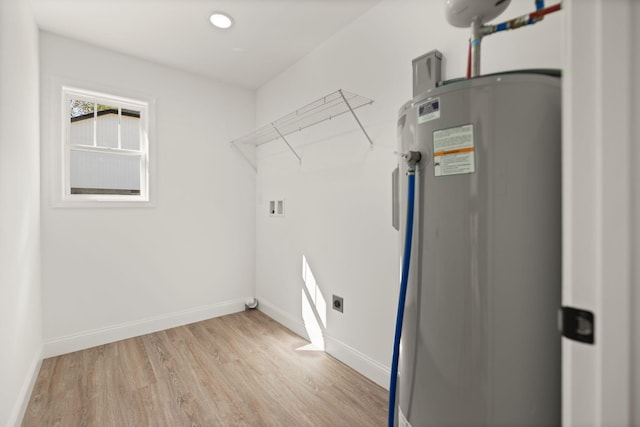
244	369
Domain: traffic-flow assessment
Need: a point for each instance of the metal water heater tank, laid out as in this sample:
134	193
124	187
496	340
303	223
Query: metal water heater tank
480	343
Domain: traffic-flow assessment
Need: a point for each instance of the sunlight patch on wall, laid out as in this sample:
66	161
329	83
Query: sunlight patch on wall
314	309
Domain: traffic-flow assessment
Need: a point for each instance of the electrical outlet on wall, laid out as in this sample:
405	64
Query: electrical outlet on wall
338	303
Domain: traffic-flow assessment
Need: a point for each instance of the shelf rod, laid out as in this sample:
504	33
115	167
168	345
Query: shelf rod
344	98
286	142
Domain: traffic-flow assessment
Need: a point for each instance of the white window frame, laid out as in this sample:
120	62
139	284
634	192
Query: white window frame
69	93
112	97
146	106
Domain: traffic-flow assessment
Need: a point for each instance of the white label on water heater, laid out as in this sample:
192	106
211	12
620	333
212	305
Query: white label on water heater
429	110
454	151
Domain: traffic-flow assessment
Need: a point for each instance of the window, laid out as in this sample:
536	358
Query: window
105	147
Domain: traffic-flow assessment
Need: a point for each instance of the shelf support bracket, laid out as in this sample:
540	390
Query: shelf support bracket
247	158
295	153
344	98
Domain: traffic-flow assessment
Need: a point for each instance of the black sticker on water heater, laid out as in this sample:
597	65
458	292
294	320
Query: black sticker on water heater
429	110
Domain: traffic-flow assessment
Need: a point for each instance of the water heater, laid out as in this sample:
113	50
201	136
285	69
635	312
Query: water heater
480	343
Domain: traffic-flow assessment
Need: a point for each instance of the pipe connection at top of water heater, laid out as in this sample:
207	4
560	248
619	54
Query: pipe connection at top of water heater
478	31
412	157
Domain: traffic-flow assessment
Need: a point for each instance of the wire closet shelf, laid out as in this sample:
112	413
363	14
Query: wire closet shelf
318	111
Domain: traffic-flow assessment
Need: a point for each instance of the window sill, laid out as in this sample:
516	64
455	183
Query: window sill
98	201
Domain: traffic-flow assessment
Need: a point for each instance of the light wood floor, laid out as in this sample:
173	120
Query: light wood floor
238	370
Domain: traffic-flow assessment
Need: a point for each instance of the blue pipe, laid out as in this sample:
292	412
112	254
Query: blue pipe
406	262
502	27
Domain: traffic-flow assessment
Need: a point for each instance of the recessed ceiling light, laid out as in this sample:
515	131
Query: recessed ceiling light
221	20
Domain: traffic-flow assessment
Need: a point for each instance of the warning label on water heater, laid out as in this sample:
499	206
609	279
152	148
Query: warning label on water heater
454	151
429	110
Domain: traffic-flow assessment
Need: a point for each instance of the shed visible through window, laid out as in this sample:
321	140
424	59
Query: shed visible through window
106	147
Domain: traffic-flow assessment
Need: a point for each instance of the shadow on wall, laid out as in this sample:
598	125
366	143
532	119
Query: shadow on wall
314	309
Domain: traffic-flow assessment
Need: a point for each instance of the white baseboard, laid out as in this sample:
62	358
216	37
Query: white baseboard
282	317
375	371
372	369
95	337
22	400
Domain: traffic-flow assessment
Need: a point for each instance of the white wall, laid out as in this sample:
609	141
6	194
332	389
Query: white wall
338	213
111	273
20	312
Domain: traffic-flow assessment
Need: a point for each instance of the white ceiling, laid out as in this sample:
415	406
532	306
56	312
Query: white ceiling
268	36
